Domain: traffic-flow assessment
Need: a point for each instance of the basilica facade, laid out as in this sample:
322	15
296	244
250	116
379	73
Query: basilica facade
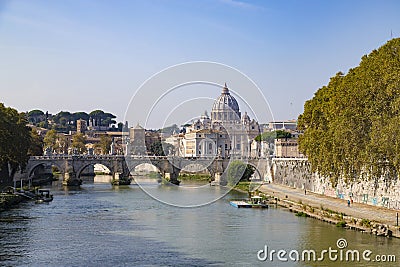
225	133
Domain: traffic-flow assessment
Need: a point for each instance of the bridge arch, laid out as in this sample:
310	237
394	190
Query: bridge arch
44	163
158	162
144	167
256	169
87	164
198	168
146	172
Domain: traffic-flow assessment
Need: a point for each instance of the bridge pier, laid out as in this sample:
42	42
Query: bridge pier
217	178
70	179
218	168
121	179
220	179
172	177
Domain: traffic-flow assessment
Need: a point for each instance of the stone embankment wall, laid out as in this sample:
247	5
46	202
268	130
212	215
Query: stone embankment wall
382	191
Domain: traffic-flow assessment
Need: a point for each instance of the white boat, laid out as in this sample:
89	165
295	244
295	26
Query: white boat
253	202
44	196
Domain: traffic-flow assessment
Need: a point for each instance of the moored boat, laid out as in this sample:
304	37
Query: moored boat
44	196
253	202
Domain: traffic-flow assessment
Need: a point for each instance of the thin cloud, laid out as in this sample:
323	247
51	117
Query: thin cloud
239	4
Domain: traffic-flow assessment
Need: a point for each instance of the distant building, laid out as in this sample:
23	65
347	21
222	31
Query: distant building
287	148
267	149
137	139
119	142
289	125
203	143
81	126
225	133
177	141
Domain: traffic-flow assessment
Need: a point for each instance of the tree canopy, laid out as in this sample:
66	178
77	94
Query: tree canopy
103	118
16	139
65	121
351	126
160	148
104	144
36	146
78	143
239	171
50	139
271	136
35	112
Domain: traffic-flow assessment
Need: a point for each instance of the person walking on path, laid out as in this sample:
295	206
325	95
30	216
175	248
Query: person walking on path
348	203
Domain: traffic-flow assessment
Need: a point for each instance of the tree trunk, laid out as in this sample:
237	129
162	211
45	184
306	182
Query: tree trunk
5	178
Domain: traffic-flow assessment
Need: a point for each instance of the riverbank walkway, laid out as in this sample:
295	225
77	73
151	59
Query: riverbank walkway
357	210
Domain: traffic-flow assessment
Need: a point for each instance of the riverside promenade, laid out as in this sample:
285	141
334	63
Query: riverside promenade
356	210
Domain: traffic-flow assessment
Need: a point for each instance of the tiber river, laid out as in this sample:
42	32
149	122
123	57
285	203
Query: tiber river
101	225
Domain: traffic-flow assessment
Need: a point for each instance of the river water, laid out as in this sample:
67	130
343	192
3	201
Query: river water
101	225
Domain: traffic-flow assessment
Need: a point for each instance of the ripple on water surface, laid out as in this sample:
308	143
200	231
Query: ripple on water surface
99	225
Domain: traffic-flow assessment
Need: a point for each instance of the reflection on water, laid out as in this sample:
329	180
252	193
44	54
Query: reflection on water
319	237
101	225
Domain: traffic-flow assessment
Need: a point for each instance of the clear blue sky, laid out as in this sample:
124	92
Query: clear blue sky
83	55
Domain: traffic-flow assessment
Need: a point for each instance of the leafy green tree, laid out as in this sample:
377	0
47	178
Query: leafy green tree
66	117
239	171
35	112
248	173
160	149
78	143
120	126
36	146
351	125
63	121
80	115
107	121
271	136
96	113
102	118
98	116
283	134
104	144
43	124
15	139
62	144
35	116
50	139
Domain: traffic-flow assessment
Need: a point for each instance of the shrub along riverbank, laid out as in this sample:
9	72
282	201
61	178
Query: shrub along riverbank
7	201
194	177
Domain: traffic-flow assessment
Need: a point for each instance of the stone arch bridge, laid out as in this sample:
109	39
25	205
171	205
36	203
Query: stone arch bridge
72	166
